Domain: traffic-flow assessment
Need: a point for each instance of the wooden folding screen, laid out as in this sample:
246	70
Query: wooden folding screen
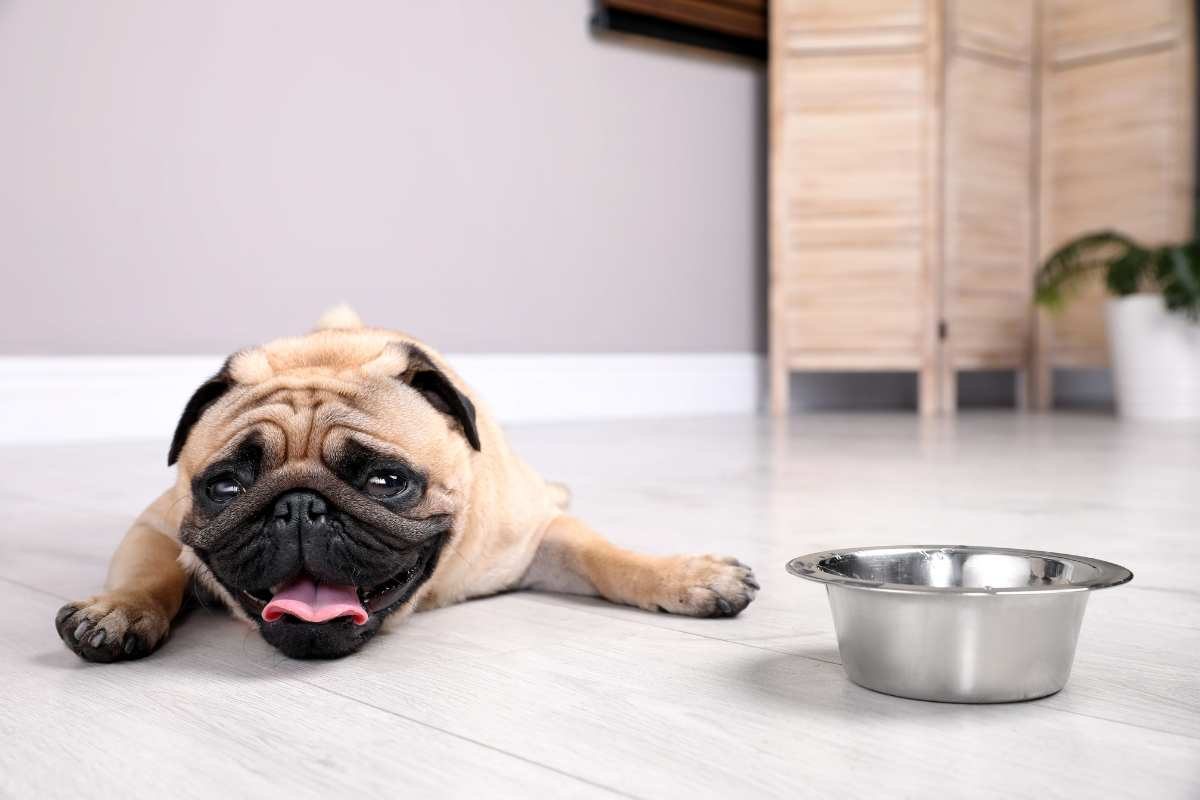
926	153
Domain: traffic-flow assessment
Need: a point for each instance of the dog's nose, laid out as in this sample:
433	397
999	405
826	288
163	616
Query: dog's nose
302	507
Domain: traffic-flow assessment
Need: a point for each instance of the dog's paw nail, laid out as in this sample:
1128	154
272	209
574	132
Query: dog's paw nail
65	613
131	644
98	638
81	630
751	582
726	608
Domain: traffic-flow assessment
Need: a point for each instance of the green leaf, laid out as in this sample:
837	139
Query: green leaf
1127	272
1079	258
1179	276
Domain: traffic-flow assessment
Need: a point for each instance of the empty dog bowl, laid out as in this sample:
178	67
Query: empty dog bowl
957	624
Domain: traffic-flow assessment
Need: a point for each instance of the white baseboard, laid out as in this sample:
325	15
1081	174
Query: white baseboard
88	398
82	398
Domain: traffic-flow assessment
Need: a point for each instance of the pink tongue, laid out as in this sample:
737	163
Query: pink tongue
315	602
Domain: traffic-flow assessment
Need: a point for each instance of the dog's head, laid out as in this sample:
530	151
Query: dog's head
326	474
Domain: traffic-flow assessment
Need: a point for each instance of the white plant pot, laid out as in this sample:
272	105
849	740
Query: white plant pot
1155	359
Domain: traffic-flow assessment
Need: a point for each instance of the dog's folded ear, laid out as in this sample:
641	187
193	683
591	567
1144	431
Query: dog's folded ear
424	376
209	392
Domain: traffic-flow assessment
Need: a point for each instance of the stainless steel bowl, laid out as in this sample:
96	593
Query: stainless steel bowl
957	624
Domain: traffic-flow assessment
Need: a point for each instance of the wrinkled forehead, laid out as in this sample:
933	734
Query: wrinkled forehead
312	416
311	405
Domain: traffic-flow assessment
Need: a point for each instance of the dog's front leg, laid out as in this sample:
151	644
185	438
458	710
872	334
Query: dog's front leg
575	559
144	591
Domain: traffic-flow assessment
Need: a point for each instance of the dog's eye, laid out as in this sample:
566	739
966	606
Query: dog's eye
386	483
224	488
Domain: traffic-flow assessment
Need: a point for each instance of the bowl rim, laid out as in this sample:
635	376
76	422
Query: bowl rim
809	567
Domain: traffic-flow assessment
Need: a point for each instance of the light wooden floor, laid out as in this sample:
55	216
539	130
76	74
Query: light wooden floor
555	696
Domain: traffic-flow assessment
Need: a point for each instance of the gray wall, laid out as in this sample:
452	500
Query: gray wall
191	177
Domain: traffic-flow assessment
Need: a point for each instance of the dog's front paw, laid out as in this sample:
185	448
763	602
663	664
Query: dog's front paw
706	586
117	626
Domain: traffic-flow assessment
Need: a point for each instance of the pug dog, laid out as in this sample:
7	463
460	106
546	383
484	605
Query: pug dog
331	483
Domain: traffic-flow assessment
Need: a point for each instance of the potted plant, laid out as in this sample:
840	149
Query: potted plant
1153	317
